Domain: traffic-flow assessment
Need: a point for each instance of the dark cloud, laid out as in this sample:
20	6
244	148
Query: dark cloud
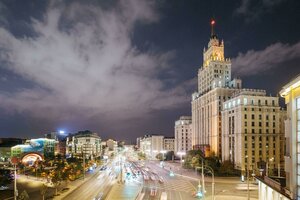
88	67
255	62
253	9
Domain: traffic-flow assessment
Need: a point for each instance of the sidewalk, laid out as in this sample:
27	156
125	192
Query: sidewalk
75	184
177	169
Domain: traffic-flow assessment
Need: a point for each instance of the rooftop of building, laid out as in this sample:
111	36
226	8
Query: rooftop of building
249	92
185	118
276	183
85	133
294	83
9	142
169	137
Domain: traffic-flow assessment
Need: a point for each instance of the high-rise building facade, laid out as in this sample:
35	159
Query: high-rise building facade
84	143
214	87
151	145
183	134
291	93
253	130
169	144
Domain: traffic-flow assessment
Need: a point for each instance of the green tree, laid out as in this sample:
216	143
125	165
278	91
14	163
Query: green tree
43	191
23	196
159	156
56	179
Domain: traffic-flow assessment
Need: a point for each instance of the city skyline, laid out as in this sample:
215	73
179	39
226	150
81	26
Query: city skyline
123	67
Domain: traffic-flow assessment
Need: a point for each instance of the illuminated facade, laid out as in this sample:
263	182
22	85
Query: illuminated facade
169	143
214	87
84	142
151	145
183	134
253	130
34	149
291	93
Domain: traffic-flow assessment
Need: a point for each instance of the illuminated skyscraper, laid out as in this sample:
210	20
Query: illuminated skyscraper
214	87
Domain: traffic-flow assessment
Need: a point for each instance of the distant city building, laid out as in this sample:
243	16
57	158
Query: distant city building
60	137
291	93
112	145
152	145
253	130
5	147
83	143
138	142
183	134
214	87
169	144
34	149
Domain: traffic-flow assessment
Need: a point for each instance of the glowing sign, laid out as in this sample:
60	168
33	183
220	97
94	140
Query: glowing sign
31	158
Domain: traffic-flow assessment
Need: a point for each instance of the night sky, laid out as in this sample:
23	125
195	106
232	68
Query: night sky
128	68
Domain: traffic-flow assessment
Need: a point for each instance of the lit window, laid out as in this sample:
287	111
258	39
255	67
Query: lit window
233	103
238	101
245	101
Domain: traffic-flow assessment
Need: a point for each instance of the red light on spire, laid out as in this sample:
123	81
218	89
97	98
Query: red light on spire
212	22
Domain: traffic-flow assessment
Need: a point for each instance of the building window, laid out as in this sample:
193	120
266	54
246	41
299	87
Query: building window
245	116
267	124
245	101
253	123
245	123
267	117
253	116
253	131
259	117
259	124
274	117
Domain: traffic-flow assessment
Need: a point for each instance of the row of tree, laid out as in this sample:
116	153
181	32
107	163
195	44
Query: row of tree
194	159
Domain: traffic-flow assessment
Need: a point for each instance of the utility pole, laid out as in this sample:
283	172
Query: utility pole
202	175
83	155
15	183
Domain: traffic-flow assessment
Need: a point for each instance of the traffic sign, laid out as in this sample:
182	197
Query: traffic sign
14	160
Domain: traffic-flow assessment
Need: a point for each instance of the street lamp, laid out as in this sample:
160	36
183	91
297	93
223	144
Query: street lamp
267	165
181	154
248	194
208	168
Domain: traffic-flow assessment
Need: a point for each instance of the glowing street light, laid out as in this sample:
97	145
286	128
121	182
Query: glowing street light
181	153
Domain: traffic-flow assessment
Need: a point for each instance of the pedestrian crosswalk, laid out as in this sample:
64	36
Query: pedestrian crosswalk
178	185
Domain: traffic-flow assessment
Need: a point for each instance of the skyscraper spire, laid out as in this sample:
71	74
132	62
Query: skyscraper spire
212	24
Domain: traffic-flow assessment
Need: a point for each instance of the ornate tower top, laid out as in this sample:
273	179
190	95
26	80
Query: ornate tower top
212	24
215	50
